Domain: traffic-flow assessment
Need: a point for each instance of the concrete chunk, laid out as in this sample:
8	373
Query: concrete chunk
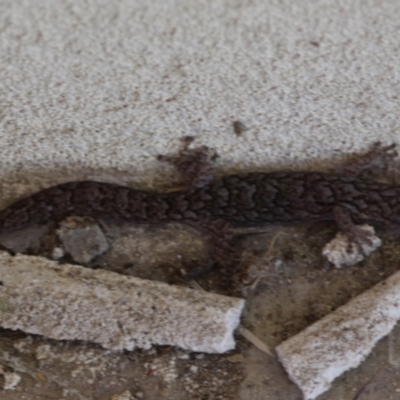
71	302
342	339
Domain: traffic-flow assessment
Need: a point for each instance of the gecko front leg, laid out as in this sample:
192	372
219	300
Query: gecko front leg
220	234
194	165
354	233
352	243
196	168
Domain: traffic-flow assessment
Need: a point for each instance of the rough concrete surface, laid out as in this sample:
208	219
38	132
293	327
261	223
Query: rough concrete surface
69	302
342	340
97	89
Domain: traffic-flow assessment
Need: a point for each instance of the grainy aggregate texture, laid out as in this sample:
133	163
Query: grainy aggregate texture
96	89
119	312
342	339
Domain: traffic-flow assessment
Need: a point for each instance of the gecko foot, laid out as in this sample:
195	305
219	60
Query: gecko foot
355	234
377	156
195	165
340	251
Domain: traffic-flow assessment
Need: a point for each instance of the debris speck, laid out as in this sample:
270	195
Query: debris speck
194	369
123	396
11	379
239	127
236	358
167	370
58	252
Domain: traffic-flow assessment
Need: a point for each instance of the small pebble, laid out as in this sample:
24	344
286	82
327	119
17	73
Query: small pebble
84	242
239	127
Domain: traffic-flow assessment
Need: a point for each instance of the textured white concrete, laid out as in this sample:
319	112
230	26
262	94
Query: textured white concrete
119	312
98	88
341	340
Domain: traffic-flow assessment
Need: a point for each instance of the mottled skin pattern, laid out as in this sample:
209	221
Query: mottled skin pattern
245	199
259	198
217	205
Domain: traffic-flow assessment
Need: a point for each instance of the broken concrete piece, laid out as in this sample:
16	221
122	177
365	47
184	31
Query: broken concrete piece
342	339
119	312
339	253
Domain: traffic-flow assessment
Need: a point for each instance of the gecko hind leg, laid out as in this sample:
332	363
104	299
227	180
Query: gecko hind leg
220	234
194	165
354	233
377	156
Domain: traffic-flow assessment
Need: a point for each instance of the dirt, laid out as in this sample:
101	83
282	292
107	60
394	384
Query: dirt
290	287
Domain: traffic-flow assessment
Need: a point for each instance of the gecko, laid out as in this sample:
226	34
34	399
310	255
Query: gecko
216	206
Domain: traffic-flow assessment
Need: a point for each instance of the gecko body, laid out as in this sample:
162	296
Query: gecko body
243	199
217	205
